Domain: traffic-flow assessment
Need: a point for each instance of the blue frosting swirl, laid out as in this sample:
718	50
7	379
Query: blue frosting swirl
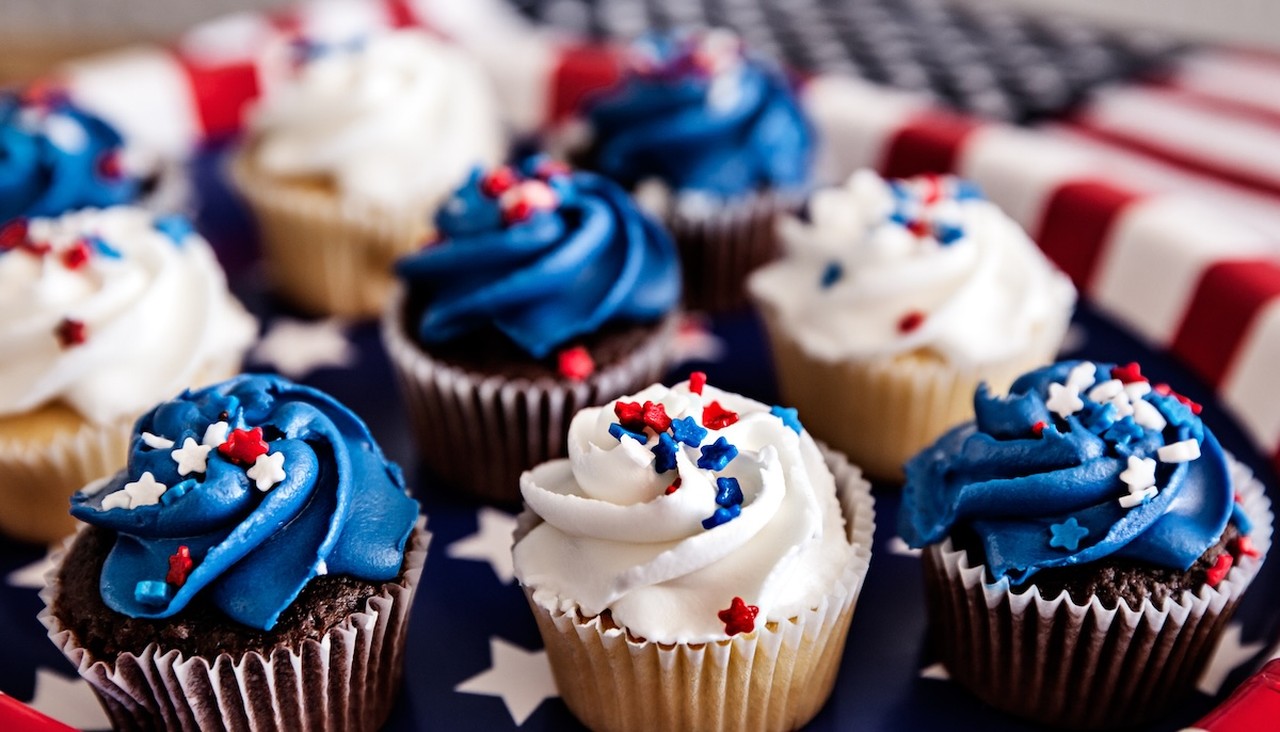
583	256
340	508
726	131
52	157
1014	486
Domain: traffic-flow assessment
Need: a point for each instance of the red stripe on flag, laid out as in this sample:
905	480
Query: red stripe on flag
400	14
220	94
930	142
1209	100
1077	222
580	72
1227	299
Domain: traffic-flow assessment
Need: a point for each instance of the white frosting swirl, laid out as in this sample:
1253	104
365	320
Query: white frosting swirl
398	123
612	538
983	296
156	317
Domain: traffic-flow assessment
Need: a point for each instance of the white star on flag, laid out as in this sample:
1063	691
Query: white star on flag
192	457
68	700
491	543
522	679
1230	654
267	470
295	348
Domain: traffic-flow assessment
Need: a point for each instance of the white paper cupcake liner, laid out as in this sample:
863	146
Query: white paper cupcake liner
326	255
775	678
1082	666
345	681
480	432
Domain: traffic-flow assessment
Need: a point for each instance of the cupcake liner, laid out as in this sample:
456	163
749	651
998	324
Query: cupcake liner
775	678
882	411
720	246
325	255
1082	666
479	432
345	681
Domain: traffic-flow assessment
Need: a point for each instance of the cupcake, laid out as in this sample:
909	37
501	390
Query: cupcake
102	313
548	292
346	160
694	563
1086	540
252	568
714	142
893	301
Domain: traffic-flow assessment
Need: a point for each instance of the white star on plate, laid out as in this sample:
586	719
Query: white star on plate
1228	656
491	543
935	671
192	457
215	434
295	348
31	576
897	546
1063	400
522	679
144	491
267	470
68	700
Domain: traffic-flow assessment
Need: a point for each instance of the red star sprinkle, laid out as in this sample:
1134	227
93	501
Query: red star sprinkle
1219	570
498	181
1245	548
717	417
739	617
108	165
1166	390
576	364
36	248
910	321
673	487
655	417
630	415
697	380
517	212
1238	498
71	333
244	446
932	187
13	235
1128	373
1038	428
179	567
918	227
77	256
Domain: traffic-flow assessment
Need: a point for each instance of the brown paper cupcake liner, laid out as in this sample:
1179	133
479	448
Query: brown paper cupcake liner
345	681
480	432
775	678
1082	666
882	411
325	255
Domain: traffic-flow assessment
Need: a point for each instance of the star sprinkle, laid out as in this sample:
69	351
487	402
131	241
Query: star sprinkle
1037	429
1082	376
77	255
831	274
655	416
175	226
1123	431
177	491
789	416
1064	400
717	417
179	566
119	499
728	492
1106	390
1166	390
664	453
675	486
688	431
13	234
150	592
619	432
1099	417
1179	452
244	446
156	442
498	181
215	434
192	457
739	617
1218	572
71	332
717	455
1245	548
267	471
575	364
1067	535
1141	473
1138	497
697	380
1129	373
910	321
144	491
630	415
722	515
1146	414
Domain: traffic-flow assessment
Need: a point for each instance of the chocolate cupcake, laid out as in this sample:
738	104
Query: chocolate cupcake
549	292
1086	539
253	567
714	142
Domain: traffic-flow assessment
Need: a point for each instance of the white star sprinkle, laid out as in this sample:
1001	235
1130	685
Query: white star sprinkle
144	491
1146	414
1179	452
491	543
192	457
119	499
215	434
156	442
1140	474
1107	390
267	470
1138	497
1064	400
295	348
1123	407
522	679
1137	389
1082	376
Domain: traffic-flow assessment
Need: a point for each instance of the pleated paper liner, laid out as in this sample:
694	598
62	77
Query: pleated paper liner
775	678
479	432
1074	666
345	681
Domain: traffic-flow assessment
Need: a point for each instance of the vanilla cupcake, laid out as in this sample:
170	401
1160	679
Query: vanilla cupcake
893	301
346	161
693	540
102	313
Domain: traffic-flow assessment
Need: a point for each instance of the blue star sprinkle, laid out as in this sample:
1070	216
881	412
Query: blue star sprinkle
1067	535
618	432
174	226
151	592
688	431
831	274
102	247
717	455
1123	431
664	453
175	492
1099	417
722	516
728	492
789	416
947	234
